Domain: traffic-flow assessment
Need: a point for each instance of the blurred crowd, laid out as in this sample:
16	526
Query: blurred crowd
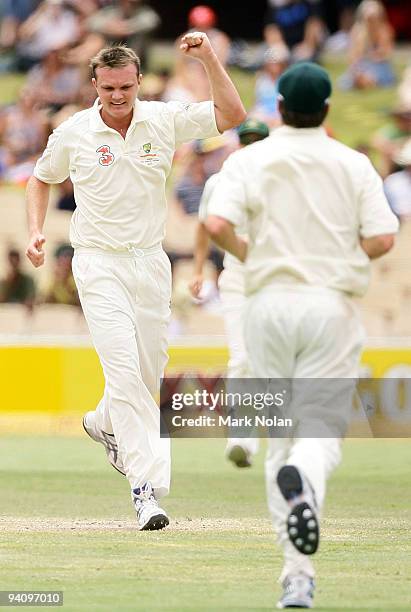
51	42
17	287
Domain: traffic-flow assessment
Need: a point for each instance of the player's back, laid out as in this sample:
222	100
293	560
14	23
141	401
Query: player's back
310	197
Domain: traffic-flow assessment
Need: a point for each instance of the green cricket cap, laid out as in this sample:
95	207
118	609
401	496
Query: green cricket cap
304	88
253	126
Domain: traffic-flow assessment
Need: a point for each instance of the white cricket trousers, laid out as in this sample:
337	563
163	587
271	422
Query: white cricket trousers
299	332
233	303
125	297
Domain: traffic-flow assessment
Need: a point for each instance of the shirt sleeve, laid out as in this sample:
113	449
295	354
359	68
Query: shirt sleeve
193	121
229	198
53	165
376	216
391	194
205	198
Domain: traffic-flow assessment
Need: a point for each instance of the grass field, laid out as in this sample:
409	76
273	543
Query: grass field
67	524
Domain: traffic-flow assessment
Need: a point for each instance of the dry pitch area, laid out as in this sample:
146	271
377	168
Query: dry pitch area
67	524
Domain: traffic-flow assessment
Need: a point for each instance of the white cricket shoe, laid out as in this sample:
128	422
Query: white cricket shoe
107	440
149	514
298	592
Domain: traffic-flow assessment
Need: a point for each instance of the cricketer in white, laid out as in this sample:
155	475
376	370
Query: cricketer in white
118	155
316	214
231	287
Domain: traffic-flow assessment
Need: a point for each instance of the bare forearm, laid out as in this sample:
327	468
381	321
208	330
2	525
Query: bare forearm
37	197
232	244
229	108
201	249
222	233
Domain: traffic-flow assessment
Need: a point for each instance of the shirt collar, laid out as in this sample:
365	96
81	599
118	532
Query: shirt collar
141	113
289	130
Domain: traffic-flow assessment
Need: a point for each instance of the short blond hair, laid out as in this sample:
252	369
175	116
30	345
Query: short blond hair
114	57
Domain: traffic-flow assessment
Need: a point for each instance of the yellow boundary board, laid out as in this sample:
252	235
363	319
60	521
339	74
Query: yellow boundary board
69	379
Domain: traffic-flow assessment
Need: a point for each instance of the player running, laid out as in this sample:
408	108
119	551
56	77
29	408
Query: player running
231	286
316	214
118	155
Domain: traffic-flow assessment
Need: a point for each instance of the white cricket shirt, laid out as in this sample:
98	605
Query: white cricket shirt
308	200
232	277
119	184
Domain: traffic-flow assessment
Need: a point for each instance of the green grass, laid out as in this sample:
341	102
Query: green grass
10	84
67	524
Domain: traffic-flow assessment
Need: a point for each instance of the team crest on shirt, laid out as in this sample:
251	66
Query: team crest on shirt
106	156
148	154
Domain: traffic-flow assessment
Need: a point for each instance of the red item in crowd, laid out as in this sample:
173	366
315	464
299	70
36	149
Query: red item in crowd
202	16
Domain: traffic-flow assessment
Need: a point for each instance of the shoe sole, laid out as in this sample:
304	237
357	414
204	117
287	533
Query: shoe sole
294	604
238	456
102	441
156	522
302	523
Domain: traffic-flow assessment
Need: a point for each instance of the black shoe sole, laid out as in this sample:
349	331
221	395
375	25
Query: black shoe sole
112	464
159	521
302	523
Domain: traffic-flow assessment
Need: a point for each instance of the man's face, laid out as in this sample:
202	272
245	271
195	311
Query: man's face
117	89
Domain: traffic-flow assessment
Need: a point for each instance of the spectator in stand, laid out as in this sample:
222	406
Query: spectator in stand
85	8
298	24
390	138
206	158
55	83
66	199
397	186
52	24
275	61
371	49
85	98
130	22
404	88
15	12
23	134
89	43
62	288
17	287
152	88
203	159
190	82
339	41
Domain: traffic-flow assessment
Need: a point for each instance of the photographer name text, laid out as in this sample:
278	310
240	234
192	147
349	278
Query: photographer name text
228	421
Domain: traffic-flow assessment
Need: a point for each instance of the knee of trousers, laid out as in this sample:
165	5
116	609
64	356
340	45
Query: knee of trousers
326	450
